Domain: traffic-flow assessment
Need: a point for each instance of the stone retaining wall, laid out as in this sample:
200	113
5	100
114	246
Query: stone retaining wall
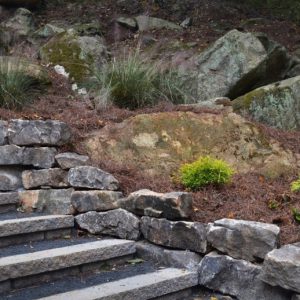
241	259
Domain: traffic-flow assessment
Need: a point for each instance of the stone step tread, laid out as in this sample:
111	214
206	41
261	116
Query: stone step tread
145	286
27	264
17	226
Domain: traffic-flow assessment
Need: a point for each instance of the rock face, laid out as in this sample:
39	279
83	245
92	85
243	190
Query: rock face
42	157
84	201
48	178
157	144
282	268
243	239
78	54
70	160
3	132
181	235
277	105
92	178
236	278
10	179
172	206
118	222
42	133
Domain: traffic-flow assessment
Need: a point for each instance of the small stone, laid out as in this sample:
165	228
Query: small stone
70	160
237	278
48	178
118	222
10	178
243	239
170	258
282	267
176	205
84	201
181	235
3	132
92	178
42	133
127	22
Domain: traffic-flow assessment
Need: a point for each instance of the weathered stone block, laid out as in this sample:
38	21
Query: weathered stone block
181	235
9	198
49	178
44	133
92	178
3	132
10	178
282	267
237	278
176	205
70	160
243	239
84	201
118	222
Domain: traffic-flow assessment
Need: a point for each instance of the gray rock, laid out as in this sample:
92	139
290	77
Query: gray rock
42	133
9	198
276	104
237	278
296	297
127	22
47	201
92	178
118	222
84	201
181	235
146	23
282	267
48	30
70	160
243	239
45	178
10	178
171	258
3	132
176	205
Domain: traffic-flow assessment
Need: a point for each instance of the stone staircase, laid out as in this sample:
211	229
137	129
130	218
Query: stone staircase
43	257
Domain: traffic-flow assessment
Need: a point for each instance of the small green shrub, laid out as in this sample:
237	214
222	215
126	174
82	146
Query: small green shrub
16	86
134	82
295	186
296	214
205	171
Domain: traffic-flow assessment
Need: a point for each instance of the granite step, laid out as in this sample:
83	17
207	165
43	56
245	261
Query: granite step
8	202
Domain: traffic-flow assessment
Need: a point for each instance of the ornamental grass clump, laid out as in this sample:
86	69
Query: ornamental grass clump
134	82
16	86
205	171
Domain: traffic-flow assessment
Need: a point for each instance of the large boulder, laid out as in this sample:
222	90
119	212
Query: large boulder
282	268
172	206
243	239
79	55
277	104
237	278
118	222
178	234
235	64
157	144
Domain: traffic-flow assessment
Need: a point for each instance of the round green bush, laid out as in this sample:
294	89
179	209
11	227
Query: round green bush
205	171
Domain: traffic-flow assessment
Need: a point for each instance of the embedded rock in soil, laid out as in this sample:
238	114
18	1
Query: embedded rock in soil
243	239
174	258
10	178
3	132
179	234
118	222
45	178
282	268
84	201
44	133
48	30
172	206
146	23
47	201
92	178
157	144
277	104
237	278
70	160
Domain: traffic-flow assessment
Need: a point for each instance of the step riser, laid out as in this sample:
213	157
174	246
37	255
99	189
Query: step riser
181	295
36	236
82	270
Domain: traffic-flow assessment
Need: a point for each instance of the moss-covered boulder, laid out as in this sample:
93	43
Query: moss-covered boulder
78	54
159	143
277	105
